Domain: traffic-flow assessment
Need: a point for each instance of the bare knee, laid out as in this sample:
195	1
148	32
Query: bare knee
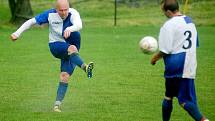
182	104
72	49
168	98
64	77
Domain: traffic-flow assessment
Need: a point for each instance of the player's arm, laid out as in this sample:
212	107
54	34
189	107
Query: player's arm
14	36
77	24
165	43
157	56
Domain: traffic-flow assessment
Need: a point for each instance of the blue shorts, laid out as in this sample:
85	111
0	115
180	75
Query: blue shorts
74	39
60	50
182	88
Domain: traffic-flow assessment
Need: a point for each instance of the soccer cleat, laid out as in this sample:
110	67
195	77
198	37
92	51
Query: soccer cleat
204	119
56	108
89	69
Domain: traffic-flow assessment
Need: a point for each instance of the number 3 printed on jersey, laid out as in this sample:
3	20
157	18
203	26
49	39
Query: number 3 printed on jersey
188	40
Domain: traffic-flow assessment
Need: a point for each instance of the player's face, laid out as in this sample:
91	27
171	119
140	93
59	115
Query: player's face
63	10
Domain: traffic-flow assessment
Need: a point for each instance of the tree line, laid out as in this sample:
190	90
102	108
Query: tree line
21	10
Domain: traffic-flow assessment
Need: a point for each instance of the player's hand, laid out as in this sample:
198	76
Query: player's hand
153	61
13	37
66	33
157	56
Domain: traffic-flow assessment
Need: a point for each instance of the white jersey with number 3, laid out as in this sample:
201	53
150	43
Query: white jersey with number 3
178	39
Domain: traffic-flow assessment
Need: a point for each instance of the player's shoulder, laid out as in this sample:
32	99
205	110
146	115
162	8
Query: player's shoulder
52	10
182	19
168	24
47	12
174	21
44	15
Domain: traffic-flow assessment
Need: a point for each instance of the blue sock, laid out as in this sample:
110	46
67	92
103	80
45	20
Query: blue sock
62	88
75	58
166	109
193	110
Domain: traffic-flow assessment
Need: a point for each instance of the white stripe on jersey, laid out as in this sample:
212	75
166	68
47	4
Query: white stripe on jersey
55	28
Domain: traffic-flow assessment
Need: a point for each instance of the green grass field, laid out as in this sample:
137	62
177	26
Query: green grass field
125	87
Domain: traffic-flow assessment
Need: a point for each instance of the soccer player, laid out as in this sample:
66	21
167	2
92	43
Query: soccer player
64	42
178	40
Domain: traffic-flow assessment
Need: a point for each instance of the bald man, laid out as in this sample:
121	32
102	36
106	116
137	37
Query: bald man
64	42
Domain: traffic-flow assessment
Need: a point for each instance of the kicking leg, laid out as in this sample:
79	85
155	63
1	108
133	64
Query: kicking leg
76	59
74	56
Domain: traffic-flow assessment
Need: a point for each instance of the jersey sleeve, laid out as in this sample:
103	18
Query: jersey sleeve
25	26
43	17
75	20
165	40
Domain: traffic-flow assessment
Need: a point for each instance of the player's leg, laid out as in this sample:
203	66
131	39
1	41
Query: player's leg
187	98
66	71
166	108
61	91
76	59
74	56
168	99
59	50
193	111
63	50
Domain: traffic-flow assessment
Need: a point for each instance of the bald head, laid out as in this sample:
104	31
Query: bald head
60	3
62	7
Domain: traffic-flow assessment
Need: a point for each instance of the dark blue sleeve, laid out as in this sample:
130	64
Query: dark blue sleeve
43	17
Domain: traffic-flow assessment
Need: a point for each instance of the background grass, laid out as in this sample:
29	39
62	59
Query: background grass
125	87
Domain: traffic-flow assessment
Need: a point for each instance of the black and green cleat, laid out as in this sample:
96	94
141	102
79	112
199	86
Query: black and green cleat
89	69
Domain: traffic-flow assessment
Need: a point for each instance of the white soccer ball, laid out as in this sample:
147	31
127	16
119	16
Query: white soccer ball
148	45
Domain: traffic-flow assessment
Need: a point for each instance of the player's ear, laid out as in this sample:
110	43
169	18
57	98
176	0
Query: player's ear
168	13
